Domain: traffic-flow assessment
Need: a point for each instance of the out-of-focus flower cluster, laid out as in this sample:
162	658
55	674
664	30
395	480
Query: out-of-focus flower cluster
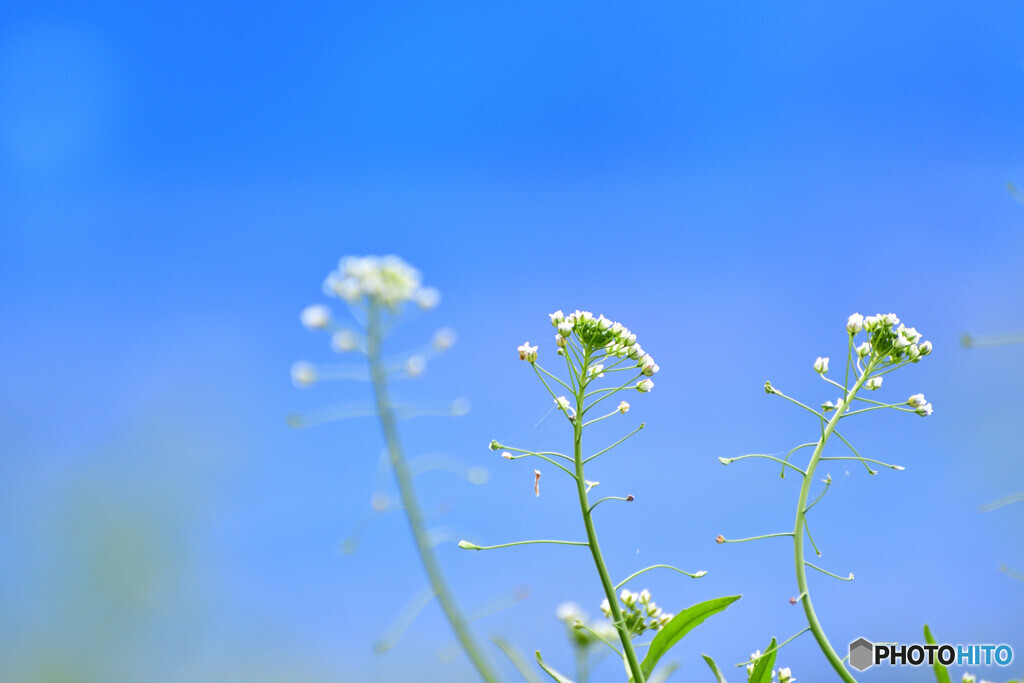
582	632
385	280
639	612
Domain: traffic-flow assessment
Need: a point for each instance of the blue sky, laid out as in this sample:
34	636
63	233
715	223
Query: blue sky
729	181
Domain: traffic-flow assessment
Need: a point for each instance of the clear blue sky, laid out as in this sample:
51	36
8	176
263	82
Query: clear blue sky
729	181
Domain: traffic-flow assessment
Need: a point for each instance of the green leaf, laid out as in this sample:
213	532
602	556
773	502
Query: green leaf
551	672
941	673
517	659
719	678
679	626
762	672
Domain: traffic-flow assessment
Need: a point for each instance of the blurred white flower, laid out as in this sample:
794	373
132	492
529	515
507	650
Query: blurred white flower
316	317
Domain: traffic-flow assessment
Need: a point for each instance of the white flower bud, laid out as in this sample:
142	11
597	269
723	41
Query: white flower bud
565	328
415	366
916	401
427	298
644	385
563	403
855	323
925	410
627	597
303	374
891	319
527	352
344	341
925	348
604	323
595	370
901	342
443	339
648	367
873	383
568	611
827	406
864	349
645	596
785	675
316	317
635	352
913	353
623	407
606	608
556	318
560	341
821	365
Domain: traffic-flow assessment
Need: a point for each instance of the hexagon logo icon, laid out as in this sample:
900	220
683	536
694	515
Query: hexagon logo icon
861	654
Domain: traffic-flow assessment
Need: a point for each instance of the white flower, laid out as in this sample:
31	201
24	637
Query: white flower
785	675
565	328
827	406
644	385
344	341
316	317
415	366
563	403
821	365
604	323
873	383
568	611
560	342
427	298
900	342
910	333
645	596
606	608
595	370
925	410
925	348
623	407
864	349
303	374
527	352
556	318
916	401
871	322
647	365
891	319
628	597
636	352
968	678
855	323
443	339
386	280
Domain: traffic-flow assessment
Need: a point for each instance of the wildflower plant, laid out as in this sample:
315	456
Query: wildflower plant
595	351
377	291
888	347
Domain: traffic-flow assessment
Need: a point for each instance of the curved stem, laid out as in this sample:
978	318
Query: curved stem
798	537
403	476
595	549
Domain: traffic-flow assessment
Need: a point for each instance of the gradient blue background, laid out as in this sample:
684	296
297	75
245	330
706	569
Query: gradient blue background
730	181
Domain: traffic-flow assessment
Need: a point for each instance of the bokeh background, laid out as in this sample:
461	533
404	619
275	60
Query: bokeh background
729	180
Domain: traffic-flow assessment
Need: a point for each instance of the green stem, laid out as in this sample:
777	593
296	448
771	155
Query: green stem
410	503
595	549
799	530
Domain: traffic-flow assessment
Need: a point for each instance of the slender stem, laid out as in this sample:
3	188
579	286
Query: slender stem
799	530
410	502
595	550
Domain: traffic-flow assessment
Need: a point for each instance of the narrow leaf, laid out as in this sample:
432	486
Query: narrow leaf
551	672
679	626
719	678
762	672
941	672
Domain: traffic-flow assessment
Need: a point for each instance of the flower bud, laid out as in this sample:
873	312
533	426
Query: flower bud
604	323
556	318
560	341
466	545
427	298
494	445
443	339
855	323
316	317
648	367
303	374
821	365
925	410
344	341
644	385
864	349
565	328
527	352
507	455
873	383
562	402
916	401
623	407
925	348
719	539
415	366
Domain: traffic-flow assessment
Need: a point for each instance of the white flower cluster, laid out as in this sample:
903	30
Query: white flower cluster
639	612
385	280
888	339
582	632
785	675
601	333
